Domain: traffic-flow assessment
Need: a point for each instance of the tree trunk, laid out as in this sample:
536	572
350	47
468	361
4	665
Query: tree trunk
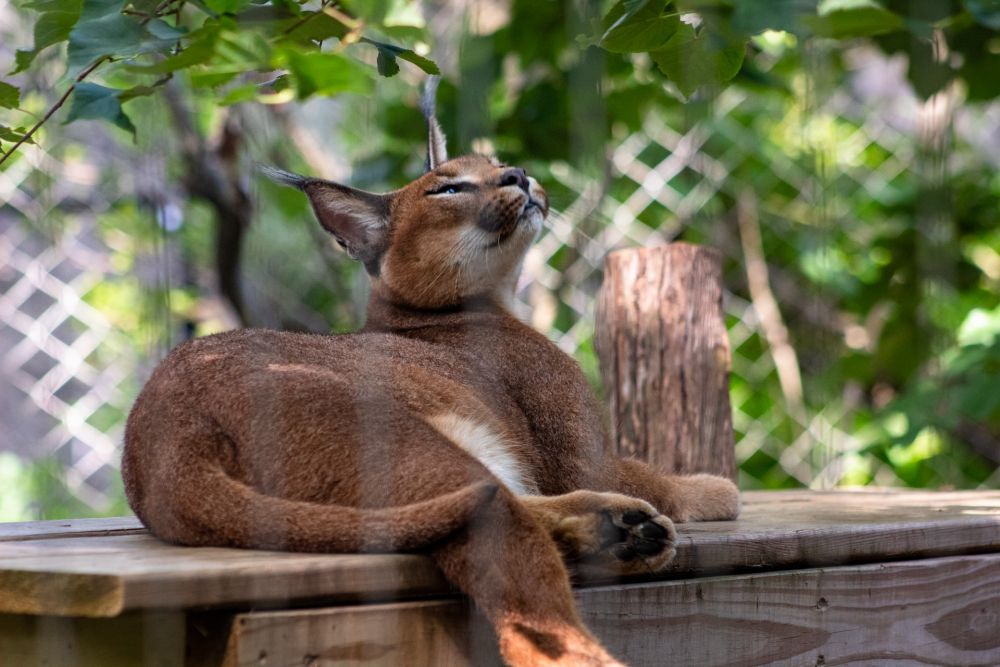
665	360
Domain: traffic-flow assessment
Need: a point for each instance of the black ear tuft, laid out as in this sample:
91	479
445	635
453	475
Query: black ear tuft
437	143
283	177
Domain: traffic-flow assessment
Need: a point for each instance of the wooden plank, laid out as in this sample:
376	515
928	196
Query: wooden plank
108	575
935	611
33	530
443	633
150	639
786	529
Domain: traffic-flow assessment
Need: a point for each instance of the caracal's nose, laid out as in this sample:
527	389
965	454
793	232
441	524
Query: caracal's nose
514	176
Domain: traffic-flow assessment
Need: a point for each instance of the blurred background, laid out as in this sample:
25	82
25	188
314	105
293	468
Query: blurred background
849	172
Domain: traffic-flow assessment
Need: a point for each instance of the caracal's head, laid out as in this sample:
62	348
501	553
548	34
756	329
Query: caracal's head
458	232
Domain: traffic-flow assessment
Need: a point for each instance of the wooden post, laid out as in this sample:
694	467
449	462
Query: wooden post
665	360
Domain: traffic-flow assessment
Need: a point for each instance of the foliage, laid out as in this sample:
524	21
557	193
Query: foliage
263	50
906	266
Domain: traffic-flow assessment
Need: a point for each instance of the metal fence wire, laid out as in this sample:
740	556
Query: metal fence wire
70	373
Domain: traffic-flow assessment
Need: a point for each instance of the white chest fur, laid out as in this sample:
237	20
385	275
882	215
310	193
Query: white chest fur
488	446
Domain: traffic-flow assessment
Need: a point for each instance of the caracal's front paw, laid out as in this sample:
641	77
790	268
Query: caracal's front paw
617	535
707	498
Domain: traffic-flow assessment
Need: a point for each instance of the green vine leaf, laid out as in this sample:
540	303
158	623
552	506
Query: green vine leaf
633	26
692	60
90	101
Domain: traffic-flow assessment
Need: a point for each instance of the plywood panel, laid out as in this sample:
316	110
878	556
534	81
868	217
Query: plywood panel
104	569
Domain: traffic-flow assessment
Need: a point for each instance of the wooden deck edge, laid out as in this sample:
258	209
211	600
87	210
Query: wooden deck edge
61	594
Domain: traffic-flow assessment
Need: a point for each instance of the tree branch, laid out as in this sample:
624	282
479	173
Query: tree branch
55	107
786	361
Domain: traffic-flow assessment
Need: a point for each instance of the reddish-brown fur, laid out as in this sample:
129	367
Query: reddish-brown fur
355	442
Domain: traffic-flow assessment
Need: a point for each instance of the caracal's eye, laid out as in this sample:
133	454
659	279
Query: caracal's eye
452	188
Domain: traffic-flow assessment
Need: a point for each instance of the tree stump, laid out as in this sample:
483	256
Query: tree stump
665	359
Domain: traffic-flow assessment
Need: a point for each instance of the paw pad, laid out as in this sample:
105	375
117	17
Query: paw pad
634	534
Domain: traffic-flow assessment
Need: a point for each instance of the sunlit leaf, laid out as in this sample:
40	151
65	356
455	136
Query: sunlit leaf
14	134
91	101
10	96
638	26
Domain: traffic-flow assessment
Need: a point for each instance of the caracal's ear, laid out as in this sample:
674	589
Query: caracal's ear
437	143
359	220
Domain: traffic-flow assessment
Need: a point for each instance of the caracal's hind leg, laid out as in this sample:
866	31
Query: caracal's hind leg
509	565
699	497
606	533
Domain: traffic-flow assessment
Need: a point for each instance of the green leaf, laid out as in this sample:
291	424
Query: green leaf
387	54
243	93
637	26
104	31
986	12
756	16
90	101
10	96
317	28
692	60
163	30
13	135
858	21
326	74
226	6
386	63
54	5
200	50
50	28
427	65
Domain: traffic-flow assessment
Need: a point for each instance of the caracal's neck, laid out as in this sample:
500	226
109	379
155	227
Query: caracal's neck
386	313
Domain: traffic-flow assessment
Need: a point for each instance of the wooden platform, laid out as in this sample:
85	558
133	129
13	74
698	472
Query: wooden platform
803	578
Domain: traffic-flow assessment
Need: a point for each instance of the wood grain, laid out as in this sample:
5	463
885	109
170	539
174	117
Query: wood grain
928	612
661	339
33	530
935	611
443	633
113	569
